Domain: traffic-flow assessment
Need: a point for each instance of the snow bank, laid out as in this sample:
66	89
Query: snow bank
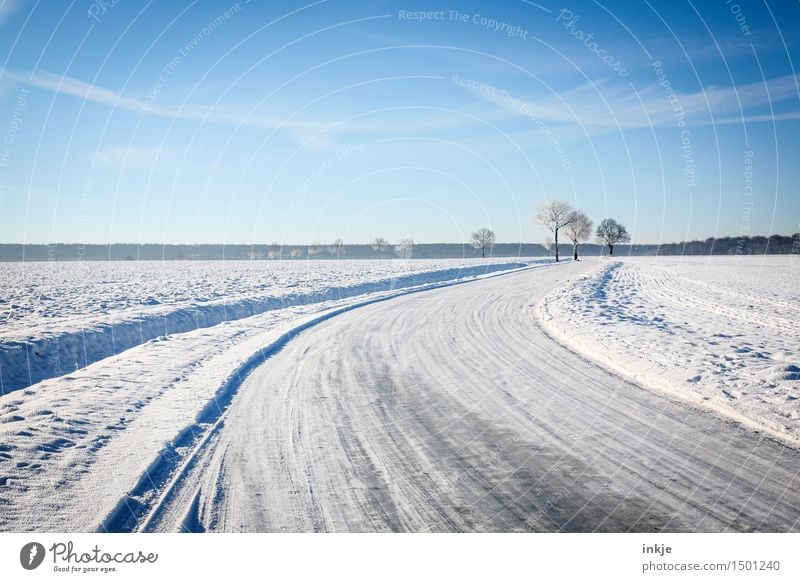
60	317
719	331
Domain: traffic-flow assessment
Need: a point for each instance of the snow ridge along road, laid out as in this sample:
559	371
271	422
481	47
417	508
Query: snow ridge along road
451	410
718	331
56	318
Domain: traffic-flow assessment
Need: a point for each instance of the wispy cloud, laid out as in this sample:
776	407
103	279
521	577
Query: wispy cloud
604	105
8	8
597	107
701	47
379	121
76	88
89	92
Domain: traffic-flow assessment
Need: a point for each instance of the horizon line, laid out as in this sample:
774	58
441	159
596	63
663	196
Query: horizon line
415	243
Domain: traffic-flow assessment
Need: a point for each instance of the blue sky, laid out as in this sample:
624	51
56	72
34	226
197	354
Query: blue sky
219	122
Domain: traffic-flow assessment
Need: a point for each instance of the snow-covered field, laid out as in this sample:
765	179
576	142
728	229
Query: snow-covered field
720	331
59	317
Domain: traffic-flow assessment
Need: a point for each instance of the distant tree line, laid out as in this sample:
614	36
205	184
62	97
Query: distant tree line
744	245
483	246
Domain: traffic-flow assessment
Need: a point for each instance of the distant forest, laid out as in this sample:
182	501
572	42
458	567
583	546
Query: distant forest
756	245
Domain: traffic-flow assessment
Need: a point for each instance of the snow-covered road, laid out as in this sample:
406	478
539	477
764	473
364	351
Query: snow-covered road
452	410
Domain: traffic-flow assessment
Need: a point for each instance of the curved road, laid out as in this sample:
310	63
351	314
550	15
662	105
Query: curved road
450	410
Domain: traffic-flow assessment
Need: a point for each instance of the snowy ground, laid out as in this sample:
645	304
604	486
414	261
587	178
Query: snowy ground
432	401
450	410
721	331
72	446
58	317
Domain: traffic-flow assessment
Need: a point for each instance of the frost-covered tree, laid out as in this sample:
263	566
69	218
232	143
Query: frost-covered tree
578	231
296	253
403	248
610	232
482	239
314	249
274	250
554	215
548	245
380	245
337	247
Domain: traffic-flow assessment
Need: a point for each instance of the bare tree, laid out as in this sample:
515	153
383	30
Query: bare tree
274	250
296	253
404	247
337	247
314	249
554	216
578	231
482	239
548	245
610	232
380	245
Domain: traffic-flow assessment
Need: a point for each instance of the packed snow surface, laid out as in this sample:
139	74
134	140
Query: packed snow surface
721	331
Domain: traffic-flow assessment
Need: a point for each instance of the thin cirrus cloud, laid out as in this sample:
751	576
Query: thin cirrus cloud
8	8
219	114
599	105
64	85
